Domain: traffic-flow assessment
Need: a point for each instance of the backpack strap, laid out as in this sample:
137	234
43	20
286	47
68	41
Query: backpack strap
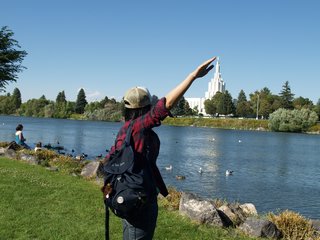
129	133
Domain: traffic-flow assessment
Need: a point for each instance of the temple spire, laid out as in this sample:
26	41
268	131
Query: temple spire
216	84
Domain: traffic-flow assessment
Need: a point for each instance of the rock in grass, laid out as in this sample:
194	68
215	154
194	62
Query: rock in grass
249	209
10	153
202	211
90	170
2	150
256	227
29	158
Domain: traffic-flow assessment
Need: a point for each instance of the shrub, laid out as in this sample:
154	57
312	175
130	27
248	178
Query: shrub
315	128
284	120
4	144
172	201
65	164
292	225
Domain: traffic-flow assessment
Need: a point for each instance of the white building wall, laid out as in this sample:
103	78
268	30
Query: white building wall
198	103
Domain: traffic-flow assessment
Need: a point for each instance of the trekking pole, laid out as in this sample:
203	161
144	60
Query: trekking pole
107	223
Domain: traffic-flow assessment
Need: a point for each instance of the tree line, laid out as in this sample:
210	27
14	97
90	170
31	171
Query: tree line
106	109
261	104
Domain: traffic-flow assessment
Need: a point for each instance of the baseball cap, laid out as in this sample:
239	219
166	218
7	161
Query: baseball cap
137	97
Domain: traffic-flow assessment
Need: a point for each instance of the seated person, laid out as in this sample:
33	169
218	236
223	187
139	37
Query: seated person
20	138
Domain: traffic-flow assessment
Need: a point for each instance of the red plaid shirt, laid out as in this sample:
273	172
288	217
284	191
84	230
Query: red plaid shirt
145	138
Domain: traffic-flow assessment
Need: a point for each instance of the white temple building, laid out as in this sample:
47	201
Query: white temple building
215	85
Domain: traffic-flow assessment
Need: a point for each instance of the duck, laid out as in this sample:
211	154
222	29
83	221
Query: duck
169	168
81	157
200	170
180	177
229	172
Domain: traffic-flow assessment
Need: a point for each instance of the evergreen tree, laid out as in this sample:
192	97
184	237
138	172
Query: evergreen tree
16	98
60	108
243	106
61	98
286	96
10	58
242	97
228	104
81	102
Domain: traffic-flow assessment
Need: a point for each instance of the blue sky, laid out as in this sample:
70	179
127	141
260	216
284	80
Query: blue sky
107	47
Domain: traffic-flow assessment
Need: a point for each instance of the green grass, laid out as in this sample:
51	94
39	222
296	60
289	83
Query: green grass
38	204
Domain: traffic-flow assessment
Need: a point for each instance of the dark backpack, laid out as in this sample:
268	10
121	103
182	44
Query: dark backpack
124	191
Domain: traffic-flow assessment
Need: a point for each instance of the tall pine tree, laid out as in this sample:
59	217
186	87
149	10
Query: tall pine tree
81	102
61	97
16	98
286	96
243	106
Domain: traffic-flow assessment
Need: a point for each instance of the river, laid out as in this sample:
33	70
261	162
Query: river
274	171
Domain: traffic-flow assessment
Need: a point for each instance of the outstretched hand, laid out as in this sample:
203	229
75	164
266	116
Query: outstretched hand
175	94
204	68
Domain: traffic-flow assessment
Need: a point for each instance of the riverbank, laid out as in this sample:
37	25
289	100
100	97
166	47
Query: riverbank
222	123
229	123
291	224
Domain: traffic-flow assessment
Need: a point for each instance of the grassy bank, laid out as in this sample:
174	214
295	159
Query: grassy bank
226	123
39	204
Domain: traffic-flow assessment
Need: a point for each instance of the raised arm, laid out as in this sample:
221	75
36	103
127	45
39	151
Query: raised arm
175	94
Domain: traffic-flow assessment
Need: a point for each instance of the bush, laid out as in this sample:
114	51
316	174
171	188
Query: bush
314	129
65	164
284	120
292	225
172	201
4	144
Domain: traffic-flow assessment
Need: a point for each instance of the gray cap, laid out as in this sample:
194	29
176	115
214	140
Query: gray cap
137	97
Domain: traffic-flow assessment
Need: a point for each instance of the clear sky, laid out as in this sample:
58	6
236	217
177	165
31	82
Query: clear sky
107	47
